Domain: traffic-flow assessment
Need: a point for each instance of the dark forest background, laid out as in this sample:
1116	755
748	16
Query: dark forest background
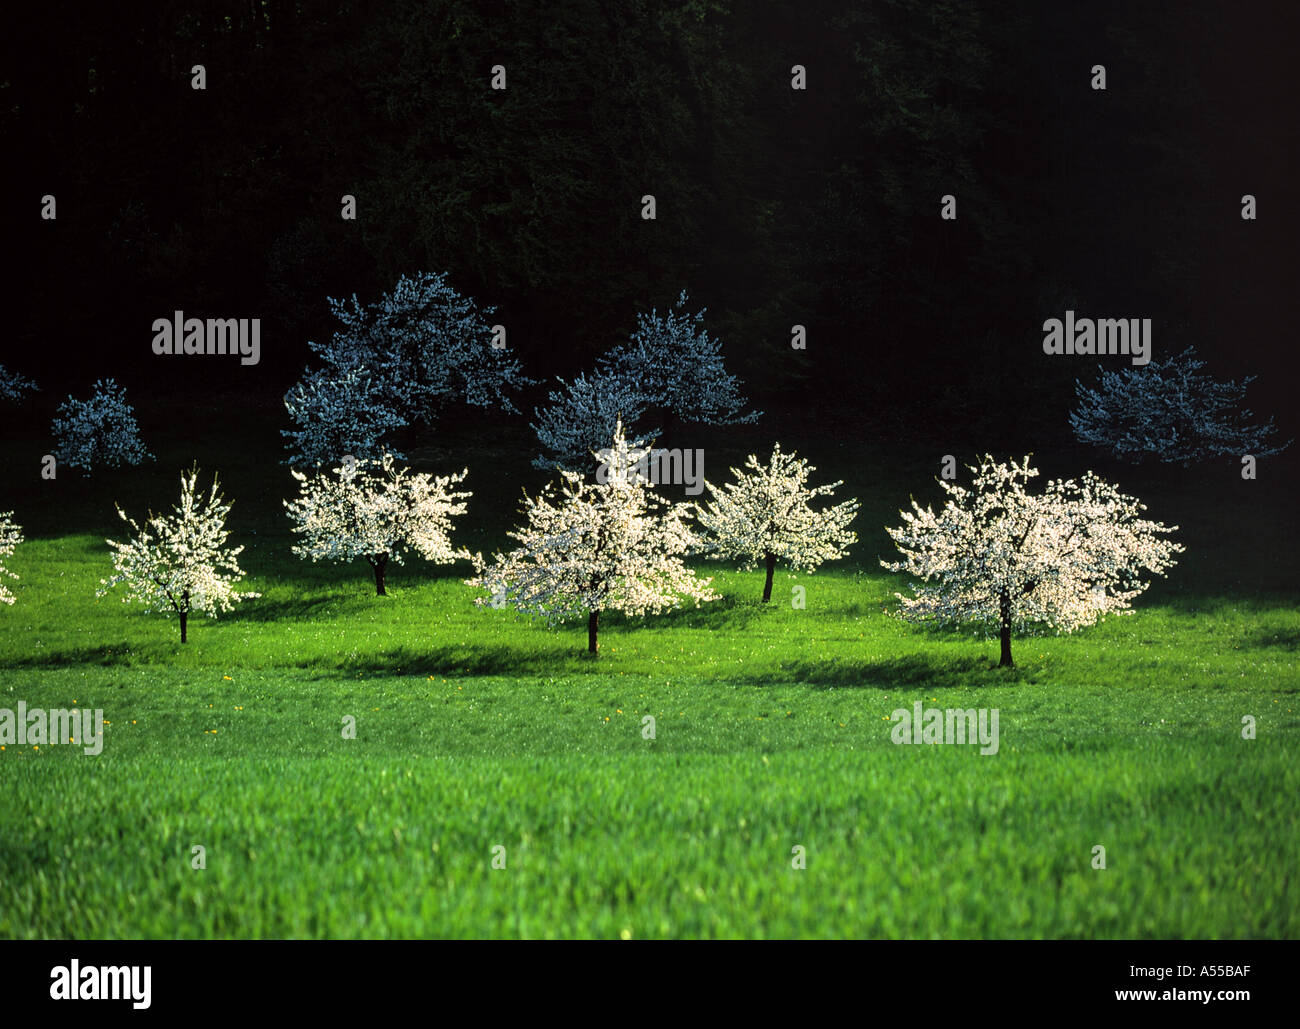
775	206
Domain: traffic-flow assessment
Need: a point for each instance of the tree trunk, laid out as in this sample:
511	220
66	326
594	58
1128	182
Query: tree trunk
767	586
379	563
672	429
183	636
1004	606
593	624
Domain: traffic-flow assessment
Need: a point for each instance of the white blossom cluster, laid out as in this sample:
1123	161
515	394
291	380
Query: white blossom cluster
404	357
996	554
584	415
376	511
613	546
11	534
766	514
98	431
13	385
670	363
179	562
1170	411
679	367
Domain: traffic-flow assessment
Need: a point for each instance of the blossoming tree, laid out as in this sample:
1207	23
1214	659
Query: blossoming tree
594	547
766	515
1170	411
180	562
417	348
374	510
13	385
339	415
98	431
999	555
583	417
670	365
679	368
11	534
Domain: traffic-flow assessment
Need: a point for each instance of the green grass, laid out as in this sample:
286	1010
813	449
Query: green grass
476	729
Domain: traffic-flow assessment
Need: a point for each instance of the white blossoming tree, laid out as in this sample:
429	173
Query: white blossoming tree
767	516
338	415
418	348
179	563
998	555
13	385
1170	411
595	547
679	368
583	417
376	511
11	534
101	431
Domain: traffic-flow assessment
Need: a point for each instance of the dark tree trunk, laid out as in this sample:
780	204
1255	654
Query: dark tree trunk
1004	606
672	429
379	564
767	586
184	638
593	625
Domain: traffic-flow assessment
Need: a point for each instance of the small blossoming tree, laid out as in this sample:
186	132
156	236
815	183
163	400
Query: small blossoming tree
11	534
767	516
583	416
670	365
679	368
13	385
98	431
180	562
338	415
999	555
594	547
1170	411
376	511
419	347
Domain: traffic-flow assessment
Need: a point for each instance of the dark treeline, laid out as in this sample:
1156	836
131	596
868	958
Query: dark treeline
775	206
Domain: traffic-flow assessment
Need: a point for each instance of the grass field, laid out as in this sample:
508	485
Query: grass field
478	730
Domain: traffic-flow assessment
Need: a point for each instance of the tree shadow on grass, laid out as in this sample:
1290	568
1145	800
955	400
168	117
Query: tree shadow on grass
730	612
1184	602
18	858
307	608
911	672
1284	637
458	661
118	653
890	674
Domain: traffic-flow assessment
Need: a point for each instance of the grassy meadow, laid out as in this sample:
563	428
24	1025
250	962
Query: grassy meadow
477	729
